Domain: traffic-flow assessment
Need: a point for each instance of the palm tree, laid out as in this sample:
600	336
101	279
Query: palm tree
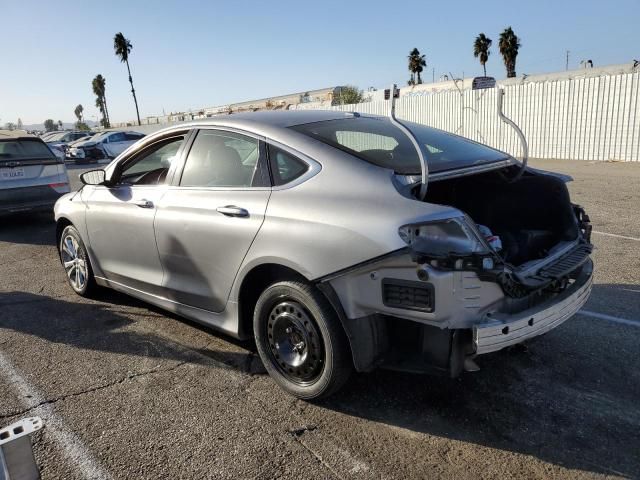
509	45
123	47
99	86
100	106
481	49
416	64
78	112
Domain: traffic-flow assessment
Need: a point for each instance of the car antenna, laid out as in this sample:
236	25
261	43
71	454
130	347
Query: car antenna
523	140
392	94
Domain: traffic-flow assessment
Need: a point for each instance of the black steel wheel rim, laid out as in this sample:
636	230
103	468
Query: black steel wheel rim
295	343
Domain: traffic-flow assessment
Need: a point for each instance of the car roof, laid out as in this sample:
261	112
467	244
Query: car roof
15	134
279	118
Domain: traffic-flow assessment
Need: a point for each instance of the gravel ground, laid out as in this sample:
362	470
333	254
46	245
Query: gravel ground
128	391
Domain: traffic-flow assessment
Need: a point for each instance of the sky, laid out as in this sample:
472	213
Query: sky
191	54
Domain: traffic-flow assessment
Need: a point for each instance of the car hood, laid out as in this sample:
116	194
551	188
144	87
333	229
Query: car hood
84	143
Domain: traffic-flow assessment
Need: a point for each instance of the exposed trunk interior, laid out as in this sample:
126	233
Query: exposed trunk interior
530	215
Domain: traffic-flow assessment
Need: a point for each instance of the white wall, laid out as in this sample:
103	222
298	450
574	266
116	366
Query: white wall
582	118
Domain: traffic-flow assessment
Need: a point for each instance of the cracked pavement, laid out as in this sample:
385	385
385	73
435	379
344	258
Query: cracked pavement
129	391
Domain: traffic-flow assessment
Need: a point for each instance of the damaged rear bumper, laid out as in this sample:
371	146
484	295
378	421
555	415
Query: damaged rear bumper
445	320
498	330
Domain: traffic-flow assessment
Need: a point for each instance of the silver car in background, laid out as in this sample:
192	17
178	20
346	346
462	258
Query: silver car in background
306	232
61	141
31	177
102	146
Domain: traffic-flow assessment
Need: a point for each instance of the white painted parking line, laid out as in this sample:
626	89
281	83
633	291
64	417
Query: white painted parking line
610	318
78	454
616	236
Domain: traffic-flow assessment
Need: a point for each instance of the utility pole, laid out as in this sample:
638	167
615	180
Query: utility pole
433	75
566	67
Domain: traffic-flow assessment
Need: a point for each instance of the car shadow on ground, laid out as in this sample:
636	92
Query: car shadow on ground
568	397
95	325
28	228
544	399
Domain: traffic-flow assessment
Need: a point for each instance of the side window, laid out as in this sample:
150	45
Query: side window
221	159
117	137
151	166
133	136
285	167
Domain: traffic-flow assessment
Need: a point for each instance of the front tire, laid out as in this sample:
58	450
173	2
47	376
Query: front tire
75	260
301	341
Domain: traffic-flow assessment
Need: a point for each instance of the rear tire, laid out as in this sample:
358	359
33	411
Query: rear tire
301	341
76	263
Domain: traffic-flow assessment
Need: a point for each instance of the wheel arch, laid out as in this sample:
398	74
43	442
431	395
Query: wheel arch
61	224
254	282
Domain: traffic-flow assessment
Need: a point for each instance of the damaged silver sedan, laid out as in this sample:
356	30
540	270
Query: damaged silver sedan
320	235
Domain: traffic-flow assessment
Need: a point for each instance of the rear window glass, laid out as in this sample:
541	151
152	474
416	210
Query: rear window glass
378	141
23	149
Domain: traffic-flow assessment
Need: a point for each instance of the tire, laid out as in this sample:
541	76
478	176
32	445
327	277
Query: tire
79	274
301	341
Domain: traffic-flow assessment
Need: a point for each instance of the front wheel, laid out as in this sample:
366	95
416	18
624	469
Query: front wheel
75	260
301	341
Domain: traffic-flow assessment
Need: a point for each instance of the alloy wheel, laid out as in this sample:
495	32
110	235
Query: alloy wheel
74	261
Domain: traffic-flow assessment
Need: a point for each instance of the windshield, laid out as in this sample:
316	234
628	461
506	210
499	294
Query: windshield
94	137
56	137
24	149
378	141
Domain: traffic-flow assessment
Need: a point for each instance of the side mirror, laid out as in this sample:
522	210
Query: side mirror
94	177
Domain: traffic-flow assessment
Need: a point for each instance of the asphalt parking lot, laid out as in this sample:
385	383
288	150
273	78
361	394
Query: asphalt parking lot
128	391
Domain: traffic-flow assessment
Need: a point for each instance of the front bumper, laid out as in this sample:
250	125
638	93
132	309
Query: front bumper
502	330
86	154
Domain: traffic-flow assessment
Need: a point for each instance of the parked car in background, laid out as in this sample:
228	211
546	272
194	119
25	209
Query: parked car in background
59	142
31	176
310	232
103	145
68	137
46	135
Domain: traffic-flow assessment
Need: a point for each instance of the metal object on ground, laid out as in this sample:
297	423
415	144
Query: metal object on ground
16	455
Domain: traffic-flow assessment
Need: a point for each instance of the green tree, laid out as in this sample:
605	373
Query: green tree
417	63
99	86
60	125
100	104
19	124
509	45
82	126
9	126
50	125
481	50
347	95
122	48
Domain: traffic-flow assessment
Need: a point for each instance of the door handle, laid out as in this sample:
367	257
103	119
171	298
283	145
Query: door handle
233	211
144	203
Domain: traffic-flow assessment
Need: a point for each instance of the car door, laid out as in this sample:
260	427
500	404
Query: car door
120	216
210	215
115	144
